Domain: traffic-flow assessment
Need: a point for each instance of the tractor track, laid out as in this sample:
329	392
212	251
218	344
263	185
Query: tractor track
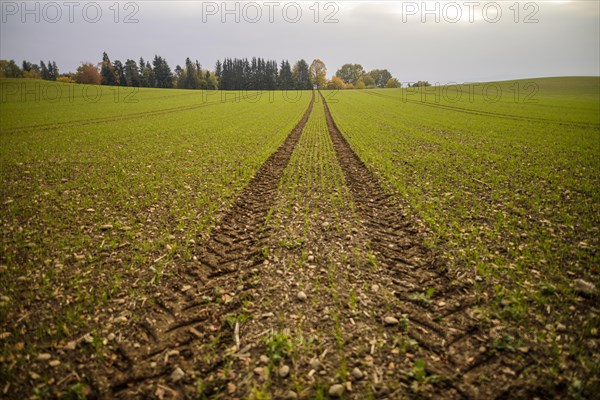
456	343
179	323
184	334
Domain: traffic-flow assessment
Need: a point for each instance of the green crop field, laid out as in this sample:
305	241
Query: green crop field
509	192
373	244
507	189
102	197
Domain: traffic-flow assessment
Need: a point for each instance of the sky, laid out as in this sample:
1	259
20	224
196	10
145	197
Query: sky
438	41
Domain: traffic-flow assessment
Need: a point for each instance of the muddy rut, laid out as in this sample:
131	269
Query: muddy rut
316	284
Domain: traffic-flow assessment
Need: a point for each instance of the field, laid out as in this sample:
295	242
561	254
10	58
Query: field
383	243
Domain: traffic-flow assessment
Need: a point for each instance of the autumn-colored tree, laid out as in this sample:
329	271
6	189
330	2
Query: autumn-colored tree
393	83
360	84
87	73
335	83
317	73
32	74
65	79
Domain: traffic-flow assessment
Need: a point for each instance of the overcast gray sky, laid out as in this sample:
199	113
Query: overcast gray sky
470	41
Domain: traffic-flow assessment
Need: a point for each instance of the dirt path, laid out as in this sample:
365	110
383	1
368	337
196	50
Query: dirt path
314	285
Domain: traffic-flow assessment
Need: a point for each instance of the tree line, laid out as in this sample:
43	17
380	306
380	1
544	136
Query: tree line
353	76
155	74
10	69
260	74
229	74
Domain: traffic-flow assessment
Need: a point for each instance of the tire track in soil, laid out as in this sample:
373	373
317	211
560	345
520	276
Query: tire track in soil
186	336
455	342
184	329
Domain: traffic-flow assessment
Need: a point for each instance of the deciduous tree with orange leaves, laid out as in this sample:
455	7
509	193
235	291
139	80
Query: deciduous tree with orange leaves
336	83
88	73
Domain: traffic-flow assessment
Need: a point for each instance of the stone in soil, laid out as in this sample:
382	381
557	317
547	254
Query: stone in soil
177	375
390	321
284	371
357	373
336	390
301	296
316	364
